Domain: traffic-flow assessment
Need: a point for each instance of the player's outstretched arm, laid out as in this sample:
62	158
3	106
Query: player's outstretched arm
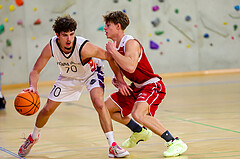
37	68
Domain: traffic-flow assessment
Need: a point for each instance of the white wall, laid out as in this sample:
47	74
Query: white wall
16	61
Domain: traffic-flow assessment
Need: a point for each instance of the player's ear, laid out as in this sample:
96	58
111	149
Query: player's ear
119	26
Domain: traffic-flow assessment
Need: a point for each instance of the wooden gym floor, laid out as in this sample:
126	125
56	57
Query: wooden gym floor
204	111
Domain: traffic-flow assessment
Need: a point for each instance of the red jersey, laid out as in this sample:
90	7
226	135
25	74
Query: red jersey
144	70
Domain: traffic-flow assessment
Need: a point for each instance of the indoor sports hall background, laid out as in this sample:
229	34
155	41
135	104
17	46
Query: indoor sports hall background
178	35
193	44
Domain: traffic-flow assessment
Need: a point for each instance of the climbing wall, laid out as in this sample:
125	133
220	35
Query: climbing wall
178	36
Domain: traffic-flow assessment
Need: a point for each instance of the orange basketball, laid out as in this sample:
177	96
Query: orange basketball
27	103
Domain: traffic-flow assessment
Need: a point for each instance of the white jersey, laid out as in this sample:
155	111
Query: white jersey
71	65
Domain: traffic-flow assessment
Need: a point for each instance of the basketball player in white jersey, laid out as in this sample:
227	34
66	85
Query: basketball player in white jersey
78	68
147	88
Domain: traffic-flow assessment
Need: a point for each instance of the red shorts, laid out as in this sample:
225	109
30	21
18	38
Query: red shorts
152	93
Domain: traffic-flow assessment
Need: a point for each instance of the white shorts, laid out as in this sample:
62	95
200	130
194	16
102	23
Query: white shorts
68	89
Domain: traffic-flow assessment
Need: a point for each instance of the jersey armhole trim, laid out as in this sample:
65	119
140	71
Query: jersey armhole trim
80	49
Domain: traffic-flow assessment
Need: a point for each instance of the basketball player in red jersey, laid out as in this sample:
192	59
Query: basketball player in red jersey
145	93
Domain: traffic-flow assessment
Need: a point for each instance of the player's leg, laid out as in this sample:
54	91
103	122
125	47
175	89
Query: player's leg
97	97
142	115
41	120
119	107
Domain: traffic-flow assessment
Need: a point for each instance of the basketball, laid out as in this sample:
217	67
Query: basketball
27	103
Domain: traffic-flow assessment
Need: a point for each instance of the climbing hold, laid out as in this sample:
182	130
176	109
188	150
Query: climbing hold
235	27
168	40
11	8
1	29
161	0
33	38
35	9
149	34
20	22
11	28
0	6
115	1
124	10
176	11
155	22
225	23
180	41
8	42
187	18
211	44
11	56
38	21
188	46
236	7
101	28
195	26
6	20
19	2
206	35
232	37
153	45
159	32
155	8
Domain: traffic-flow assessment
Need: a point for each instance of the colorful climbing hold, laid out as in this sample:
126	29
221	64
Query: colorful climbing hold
35	9
6	20
187	18
153	45
101	28
124	10
20	22
168	40
236	7
37	22
8	42
206	35
11	29
149	34
176	11
0	6
33	38
19	2
11	8
225	23
155	22
235	27
159	32
155	8
74	13
1	29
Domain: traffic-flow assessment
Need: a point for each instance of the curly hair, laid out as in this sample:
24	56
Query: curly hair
117	17
65	24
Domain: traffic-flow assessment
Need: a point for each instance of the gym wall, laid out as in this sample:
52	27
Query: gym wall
178	35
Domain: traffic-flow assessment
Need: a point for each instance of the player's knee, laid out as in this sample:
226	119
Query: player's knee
137	117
